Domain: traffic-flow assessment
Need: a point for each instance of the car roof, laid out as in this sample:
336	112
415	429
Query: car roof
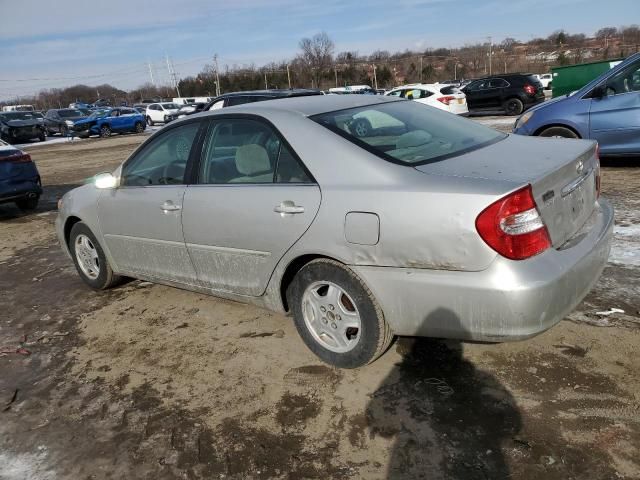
308	105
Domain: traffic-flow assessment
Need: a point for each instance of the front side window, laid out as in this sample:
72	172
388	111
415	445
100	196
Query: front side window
625	81
408	132
395	93
239	151
162	161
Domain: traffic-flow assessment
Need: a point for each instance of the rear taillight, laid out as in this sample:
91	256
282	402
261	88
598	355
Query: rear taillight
597	172
530	89
446	99
19	157
513	227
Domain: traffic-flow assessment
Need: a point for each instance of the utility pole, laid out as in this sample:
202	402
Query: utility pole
288	76
420	68
335	70
215	60
151	73
490	53
266	85
172	75
375	79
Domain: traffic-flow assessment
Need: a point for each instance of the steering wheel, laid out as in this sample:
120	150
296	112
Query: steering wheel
173	173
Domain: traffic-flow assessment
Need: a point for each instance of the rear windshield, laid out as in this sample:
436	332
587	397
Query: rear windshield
449	90
70	113
408	133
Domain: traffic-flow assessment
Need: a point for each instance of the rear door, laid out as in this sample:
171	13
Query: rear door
614	120
493	93
141	219
253	200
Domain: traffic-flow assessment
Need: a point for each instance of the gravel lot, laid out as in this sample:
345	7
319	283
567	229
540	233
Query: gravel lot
147	381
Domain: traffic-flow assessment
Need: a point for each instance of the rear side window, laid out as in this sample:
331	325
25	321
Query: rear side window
498	83
239	151
239	100
163	160
407	132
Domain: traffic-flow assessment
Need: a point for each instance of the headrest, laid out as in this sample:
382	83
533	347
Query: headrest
252	159
413	139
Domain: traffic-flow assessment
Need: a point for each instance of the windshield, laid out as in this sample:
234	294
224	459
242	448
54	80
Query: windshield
18	116
100	113
70	113
170	106
408	132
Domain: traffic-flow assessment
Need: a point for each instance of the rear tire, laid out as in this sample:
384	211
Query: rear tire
89	259
28	204
139	128
64	131
324	320
513	106
43	137
558	132
361	127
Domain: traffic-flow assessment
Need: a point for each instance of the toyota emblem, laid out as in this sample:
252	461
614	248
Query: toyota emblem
579	167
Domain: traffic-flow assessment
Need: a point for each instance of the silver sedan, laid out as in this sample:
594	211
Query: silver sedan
364	217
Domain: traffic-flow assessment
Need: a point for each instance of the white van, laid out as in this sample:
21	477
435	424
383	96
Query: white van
18	108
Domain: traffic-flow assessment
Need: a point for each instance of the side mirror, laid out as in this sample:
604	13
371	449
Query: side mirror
105	181
598	92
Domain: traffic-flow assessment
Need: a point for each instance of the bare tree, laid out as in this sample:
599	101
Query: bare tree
317	54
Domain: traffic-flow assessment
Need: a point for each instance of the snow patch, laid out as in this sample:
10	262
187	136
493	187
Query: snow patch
625	249
26	466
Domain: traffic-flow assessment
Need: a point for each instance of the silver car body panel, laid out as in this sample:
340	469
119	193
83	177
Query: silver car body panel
427	264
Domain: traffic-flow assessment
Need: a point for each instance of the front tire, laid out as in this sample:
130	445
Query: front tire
513	106
150	122
558	132
64	131
89	258
139	128
337	316
105	131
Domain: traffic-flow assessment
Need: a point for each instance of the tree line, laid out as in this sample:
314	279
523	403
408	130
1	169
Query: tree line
317	65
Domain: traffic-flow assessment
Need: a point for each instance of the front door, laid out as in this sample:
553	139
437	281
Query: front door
614	120
141	219
254	199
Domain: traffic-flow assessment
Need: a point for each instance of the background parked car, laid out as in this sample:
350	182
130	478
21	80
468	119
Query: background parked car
61	120
607	110
444	97
19	178
239	98
511	93
106	121
545	79
161	113
190	108
18	126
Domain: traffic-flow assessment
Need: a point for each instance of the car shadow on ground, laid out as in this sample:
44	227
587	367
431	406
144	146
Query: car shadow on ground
621	162
447	418
48	202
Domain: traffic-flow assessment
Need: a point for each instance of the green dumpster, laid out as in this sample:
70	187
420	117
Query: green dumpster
573	77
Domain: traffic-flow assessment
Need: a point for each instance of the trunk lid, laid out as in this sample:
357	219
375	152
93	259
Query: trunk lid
562	174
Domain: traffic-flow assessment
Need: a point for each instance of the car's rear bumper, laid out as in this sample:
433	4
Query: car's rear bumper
510	300
19	190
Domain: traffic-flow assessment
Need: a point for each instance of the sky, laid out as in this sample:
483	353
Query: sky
66	42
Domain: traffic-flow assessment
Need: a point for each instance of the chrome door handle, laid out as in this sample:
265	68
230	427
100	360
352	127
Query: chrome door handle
169	206
288	207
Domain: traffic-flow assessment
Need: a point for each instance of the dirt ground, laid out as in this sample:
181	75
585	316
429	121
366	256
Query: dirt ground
151	382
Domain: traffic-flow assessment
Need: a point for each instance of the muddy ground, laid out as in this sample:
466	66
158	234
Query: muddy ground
150	382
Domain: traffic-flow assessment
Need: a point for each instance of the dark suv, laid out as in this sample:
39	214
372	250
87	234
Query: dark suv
238	98
512	93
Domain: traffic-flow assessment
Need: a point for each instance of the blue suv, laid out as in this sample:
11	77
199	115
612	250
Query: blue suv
607	110
106	121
